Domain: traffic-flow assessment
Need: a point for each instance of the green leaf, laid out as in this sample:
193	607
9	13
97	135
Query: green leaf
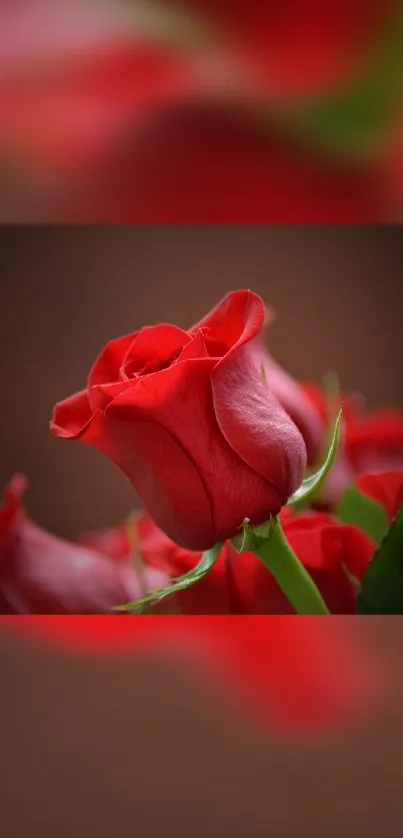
357	508
310	486
382	586
179	584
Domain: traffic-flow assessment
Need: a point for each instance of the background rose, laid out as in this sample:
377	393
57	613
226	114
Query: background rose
42	574
372	441
331	552
385	488
188	418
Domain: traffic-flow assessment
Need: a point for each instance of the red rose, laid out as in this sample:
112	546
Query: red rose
112	542
41	574
187	416
386	489
371	442
374	441
241	584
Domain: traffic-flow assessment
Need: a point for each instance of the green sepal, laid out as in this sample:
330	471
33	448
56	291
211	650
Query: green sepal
180	583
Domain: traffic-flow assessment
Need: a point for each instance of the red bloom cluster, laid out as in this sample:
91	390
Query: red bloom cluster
210	430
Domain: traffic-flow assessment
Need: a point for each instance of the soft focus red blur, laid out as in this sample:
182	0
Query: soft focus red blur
101	735
200	110
307	678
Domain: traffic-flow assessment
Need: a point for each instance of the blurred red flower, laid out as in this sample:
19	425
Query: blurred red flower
201	111
294	48
385	488
372	441
42	574
305	677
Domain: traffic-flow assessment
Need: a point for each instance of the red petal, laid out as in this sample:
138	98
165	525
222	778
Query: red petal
180	401
375	442
236	319
72	417
164	476
256	426
292	397
386	489
196	348
153	348
107	365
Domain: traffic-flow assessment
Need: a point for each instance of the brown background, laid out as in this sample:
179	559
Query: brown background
93	748
66	291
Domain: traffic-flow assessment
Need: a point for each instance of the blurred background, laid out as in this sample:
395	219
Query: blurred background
201	110
65	292
100	743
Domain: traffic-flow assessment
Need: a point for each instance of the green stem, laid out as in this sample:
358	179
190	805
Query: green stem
278	556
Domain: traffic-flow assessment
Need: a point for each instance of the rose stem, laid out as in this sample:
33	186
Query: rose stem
279	557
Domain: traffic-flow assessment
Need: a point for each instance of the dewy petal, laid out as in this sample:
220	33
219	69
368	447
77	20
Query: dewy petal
180	400
106	366
238	318
255	424
72	416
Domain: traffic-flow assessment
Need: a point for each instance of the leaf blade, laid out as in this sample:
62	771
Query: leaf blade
382	586
362	511
310	486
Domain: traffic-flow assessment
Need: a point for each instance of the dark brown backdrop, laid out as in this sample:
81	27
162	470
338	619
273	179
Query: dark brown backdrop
65	292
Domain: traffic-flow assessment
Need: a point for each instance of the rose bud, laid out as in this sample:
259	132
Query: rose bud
188	418
42	574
